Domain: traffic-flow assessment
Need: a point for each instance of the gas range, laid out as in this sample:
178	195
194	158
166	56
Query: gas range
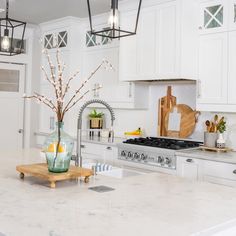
152	151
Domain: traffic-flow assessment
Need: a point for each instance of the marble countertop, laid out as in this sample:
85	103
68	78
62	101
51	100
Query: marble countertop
147	204
226	157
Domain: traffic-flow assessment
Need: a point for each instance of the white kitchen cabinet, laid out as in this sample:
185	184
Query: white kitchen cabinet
213	71
205	170
219	173
189	39
102	153
56	38
153	52
214	16
188	168
138	50
167	41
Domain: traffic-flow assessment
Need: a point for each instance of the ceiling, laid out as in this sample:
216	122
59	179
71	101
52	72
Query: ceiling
38	11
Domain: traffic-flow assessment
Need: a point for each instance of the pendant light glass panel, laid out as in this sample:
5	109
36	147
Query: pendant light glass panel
11	35
113	25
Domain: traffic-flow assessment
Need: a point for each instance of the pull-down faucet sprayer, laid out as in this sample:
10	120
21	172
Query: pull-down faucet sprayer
78	158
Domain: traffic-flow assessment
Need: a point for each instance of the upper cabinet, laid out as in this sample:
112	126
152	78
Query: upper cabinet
153	52
54	39
213	16
212	84
216	70
217	16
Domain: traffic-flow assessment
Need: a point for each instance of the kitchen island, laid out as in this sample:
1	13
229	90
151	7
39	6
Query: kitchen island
146	204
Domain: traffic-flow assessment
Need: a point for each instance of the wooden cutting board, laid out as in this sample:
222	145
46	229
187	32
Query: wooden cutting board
165	104
188	121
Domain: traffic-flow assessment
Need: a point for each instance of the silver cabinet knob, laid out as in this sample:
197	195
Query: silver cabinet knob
20	131
109	148
234	172
189	160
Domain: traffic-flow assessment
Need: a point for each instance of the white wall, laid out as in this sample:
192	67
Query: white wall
128	120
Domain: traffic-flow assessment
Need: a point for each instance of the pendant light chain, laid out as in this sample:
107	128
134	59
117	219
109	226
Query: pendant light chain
7	8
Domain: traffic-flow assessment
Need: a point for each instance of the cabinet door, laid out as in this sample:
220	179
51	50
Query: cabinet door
220	173
213	16
167	43
110	154
232	69
56	38
137	52
212	87
146	45
128	51
188	168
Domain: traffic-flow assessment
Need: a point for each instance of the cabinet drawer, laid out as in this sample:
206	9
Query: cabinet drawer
92	148
222	181
219	170
188	160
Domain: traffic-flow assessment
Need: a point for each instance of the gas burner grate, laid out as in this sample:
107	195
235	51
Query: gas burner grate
173	144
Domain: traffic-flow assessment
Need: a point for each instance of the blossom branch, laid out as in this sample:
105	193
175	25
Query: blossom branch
104	62
80	98
43	100
68	83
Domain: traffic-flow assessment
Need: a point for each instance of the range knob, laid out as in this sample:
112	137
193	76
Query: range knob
143	157
123	153
167	161
160	159
136	155
130	155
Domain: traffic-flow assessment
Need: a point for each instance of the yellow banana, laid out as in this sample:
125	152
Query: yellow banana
135	132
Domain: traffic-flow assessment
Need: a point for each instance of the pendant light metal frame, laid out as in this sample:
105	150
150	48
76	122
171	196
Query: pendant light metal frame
10	25
113	30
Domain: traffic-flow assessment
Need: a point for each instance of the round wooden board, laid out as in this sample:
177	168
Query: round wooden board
187	123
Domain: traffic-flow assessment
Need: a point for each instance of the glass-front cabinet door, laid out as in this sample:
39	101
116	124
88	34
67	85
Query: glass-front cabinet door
213	16
232	15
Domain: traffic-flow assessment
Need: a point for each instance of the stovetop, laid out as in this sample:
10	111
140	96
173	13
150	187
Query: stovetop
165	143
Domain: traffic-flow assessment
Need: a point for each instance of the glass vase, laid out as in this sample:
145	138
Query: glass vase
58	148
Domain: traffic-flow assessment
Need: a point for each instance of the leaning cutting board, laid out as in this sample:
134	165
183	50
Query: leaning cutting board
188	120
165	104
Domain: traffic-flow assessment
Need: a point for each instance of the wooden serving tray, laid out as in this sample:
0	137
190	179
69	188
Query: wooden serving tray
216	149
40	170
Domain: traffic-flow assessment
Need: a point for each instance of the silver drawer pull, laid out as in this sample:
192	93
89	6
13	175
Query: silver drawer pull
189	160
234	172
109	148
83	146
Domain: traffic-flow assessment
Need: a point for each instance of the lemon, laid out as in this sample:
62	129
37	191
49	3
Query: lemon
53	147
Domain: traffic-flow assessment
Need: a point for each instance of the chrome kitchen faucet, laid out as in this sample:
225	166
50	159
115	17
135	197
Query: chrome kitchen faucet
78	158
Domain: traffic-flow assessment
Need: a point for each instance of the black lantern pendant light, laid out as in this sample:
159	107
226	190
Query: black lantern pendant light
11	35
113	30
